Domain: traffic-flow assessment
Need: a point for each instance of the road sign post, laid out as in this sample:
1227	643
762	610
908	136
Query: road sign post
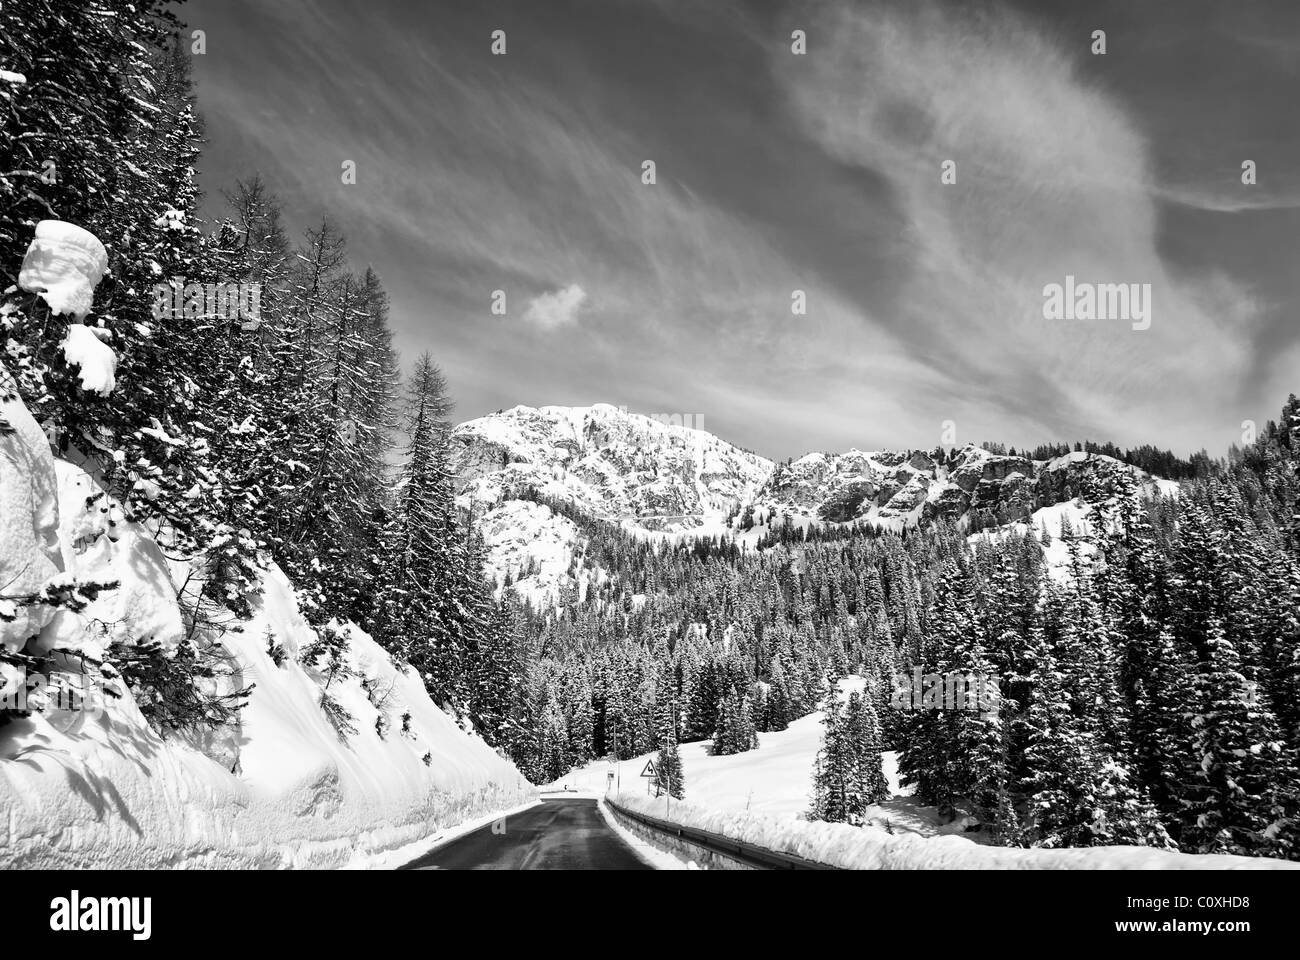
649	772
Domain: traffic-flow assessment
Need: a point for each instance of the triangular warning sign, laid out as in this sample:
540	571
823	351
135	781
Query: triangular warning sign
649	770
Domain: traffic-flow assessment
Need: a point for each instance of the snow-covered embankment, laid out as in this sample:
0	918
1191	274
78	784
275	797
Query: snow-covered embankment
91	784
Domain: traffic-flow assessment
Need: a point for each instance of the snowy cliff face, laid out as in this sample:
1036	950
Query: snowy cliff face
664	481
885	487
532	548
652	478
607	463
90	784
894	489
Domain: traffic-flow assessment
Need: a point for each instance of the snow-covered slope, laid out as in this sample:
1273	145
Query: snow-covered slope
532	547
774	780
762	796
99	788
1052	521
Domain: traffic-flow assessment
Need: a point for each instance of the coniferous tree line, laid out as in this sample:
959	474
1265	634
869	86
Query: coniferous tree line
1160	463
238	438
848	773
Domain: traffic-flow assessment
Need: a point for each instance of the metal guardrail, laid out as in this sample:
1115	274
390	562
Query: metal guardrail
746	853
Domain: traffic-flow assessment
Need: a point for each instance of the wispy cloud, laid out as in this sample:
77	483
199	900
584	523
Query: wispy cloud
1052	180
1219	201
556	309
775	172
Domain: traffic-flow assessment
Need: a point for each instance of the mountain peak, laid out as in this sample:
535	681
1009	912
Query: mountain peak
608	463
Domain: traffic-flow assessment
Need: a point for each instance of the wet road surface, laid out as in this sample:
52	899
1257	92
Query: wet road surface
562	834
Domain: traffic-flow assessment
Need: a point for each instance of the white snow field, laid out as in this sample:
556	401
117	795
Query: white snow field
775	779
98	787
761	796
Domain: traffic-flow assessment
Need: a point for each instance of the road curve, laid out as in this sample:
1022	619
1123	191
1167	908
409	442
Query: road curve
560	834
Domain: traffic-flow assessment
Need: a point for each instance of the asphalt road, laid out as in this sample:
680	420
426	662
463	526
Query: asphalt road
563	834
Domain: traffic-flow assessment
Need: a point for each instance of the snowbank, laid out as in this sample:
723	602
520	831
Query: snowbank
29	518
282	788
858	848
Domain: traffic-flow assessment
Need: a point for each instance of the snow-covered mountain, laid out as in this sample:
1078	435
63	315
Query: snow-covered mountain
608	463
660	480
598	462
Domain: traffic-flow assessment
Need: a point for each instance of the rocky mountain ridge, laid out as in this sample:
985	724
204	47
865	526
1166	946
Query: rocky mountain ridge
662	480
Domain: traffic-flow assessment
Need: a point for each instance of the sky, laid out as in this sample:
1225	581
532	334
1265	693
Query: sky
819	172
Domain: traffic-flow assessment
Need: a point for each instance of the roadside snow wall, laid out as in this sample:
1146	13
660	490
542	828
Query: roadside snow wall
867	848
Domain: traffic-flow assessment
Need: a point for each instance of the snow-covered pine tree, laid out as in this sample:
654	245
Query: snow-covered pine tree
954	753
412	594
1076	795
579	715
706	699
669	775
1241	787
831	777
495	680
735	731
848	774
340	402
472	608
327	657
1133	591
862	736
776	705
365	375
553	741
727	720
240	410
